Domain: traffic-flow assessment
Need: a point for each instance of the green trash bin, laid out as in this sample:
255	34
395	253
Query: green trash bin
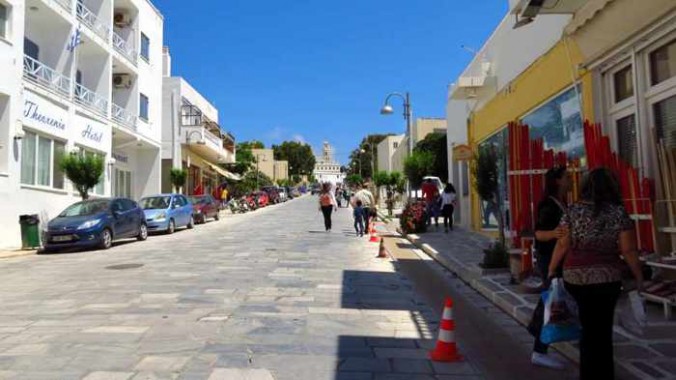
30	231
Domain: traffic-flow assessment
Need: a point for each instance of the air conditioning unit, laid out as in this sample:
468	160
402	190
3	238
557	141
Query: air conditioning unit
122	80
121	19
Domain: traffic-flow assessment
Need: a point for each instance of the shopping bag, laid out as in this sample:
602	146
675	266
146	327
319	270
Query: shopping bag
561	322
631	313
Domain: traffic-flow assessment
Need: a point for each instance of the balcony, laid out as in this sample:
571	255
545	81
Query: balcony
40	74
124	48
91	100
123	117
67	5
89	18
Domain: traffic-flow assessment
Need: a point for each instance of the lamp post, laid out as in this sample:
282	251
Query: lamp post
408	115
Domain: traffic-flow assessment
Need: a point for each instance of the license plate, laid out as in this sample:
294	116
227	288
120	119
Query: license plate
62	238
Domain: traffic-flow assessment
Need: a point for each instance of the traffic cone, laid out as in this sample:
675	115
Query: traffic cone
446	349
382	251
374	237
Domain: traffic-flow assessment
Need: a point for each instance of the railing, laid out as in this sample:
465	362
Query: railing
38	73
213	138
123	117
65	4
124	48
93	22
91	100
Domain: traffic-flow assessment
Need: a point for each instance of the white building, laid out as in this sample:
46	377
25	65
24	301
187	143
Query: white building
386	150
103	98
327	170
191	137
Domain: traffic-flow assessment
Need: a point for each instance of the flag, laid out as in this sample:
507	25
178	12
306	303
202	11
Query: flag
75	39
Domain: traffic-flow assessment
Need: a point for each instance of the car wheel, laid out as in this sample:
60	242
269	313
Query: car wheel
191	223
217	216
171	227
142	232
106	239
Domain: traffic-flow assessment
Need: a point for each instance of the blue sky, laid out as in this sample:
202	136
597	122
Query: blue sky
319	70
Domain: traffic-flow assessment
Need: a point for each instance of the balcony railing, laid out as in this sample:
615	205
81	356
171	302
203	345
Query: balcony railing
123	117
124	48
213	138
65	4
89	18
36	72
91	100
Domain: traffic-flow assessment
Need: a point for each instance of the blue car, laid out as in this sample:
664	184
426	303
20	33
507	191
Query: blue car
96	222
166	212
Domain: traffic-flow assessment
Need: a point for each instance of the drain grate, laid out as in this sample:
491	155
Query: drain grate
124	266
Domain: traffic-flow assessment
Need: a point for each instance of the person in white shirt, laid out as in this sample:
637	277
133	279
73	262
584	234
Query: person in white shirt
368	203
448	206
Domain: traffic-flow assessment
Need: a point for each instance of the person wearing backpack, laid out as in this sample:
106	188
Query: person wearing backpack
327	204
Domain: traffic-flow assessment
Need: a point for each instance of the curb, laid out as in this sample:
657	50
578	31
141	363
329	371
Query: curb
17	253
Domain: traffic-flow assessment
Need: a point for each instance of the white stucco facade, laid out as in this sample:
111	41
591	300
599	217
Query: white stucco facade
102	98
386	150
327	170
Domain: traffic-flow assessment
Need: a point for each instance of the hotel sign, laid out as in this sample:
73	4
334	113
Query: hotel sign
43	115
92	133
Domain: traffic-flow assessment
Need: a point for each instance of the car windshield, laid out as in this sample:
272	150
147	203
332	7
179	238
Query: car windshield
198	200
155	203
86	208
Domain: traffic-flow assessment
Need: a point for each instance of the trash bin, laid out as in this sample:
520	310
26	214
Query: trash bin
30	231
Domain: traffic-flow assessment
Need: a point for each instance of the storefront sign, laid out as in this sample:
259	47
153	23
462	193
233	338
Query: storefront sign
43	115
120	157
462	153
92	133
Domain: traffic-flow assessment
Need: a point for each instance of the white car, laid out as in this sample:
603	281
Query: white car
283	196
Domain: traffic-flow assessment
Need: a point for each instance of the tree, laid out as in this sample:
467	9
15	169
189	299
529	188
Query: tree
248	183
369	159
253	144
299	155
435	143
85	171
391	182
244	159
485	180
178	178
417	166
354	180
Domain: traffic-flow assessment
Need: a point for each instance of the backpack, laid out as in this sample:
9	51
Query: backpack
325	200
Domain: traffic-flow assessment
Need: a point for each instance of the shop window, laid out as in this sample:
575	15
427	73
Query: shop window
665	121
4	20
145	47
626	139
499	142
40	161
663	63
624	84
143	107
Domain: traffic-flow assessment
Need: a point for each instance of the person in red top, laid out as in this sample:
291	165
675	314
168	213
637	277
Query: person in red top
430	194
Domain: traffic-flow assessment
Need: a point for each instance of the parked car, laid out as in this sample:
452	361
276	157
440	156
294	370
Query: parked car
273	193
262	198
204	207
283	195
296	192
166	212
96	222
315	189
290	192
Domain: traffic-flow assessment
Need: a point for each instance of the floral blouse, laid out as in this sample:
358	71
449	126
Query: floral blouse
594	255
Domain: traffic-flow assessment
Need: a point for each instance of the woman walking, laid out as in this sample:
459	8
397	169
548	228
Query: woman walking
600	231
547	231
327	205
448	206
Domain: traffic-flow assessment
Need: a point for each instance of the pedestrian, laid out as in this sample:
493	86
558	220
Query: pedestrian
327	205
358	214
600	231
339	197
447	206
547	231
367	201
224	196
347	195
430	194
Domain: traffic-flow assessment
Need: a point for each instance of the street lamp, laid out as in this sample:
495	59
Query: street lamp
408	115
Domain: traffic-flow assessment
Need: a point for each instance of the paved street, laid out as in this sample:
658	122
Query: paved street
266	295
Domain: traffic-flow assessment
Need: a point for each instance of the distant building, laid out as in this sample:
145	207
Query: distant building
276	170
281	170
327	170
386	150
420	129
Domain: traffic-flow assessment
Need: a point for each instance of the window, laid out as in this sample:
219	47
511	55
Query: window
395	145
663	63
665	121
145	47
40	158
31	49
4	20
143	107
624	84
122	184
626	139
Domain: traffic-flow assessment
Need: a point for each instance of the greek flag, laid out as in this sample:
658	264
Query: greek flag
75	39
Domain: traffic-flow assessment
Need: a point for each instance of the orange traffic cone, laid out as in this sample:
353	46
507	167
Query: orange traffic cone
382	251
446	349
374	237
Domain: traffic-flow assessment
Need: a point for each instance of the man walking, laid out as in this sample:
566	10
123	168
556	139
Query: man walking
367	201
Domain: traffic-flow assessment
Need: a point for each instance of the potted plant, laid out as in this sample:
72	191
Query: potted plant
178	178
83	170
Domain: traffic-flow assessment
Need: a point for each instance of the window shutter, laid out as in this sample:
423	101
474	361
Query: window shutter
626	139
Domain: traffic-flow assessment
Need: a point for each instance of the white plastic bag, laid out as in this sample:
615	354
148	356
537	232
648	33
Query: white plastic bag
632	313
561	315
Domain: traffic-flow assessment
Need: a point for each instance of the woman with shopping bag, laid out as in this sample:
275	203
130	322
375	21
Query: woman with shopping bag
600	231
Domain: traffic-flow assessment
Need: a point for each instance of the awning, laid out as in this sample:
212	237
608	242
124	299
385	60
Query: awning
586	13
225	173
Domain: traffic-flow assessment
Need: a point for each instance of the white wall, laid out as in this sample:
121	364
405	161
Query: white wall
150	73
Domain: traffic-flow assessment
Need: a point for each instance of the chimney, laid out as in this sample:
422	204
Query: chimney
166	62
